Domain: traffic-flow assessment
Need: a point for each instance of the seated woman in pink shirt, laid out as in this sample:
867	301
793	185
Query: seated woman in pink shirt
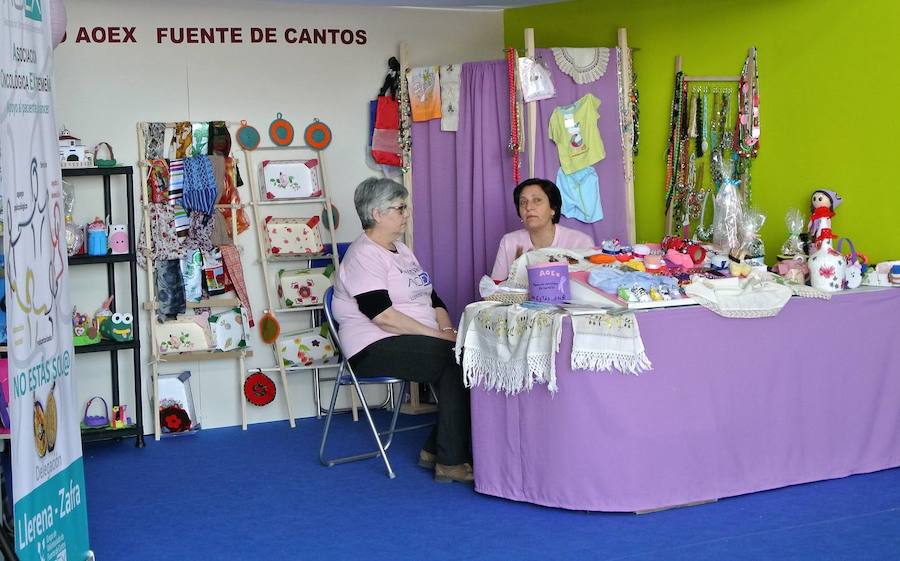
538	203
392	323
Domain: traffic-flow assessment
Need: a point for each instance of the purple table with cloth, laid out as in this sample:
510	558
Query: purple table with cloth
732	406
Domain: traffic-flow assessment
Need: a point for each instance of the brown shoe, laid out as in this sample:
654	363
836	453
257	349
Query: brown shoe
448	474
427	459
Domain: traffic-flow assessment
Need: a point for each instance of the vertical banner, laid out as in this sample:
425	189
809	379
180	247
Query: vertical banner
49	498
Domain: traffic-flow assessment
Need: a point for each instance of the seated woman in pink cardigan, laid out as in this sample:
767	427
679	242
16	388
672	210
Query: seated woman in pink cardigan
538	203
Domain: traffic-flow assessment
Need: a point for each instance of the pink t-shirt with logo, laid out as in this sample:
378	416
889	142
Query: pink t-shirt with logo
565	238
366	267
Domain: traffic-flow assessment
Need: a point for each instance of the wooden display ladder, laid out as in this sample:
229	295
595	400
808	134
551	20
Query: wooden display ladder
322	203
151	305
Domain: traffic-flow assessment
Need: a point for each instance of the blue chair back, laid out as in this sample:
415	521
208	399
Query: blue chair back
333	325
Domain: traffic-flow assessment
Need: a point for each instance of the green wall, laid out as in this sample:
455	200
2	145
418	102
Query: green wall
829	75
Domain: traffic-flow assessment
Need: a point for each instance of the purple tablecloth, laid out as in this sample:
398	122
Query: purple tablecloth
732	406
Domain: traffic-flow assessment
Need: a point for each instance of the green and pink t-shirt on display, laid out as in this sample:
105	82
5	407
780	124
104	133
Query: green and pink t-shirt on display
574	130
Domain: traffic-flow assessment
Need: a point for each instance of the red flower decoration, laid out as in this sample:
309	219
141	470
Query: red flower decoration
826	271
270	196
305	292
276	250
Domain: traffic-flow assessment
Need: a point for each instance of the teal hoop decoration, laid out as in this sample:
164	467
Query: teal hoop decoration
327	216
247	136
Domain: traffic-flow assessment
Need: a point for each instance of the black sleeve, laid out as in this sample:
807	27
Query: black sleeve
373	302
436	301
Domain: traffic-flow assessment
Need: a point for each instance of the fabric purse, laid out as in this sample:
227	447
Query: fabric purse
386	138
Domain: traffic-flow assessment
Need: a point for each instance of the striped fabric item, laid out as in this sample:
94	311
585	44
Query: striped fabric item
176	181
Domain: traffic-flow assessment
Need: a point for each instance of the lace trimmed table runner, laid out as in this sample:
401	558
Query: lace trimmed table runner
509	348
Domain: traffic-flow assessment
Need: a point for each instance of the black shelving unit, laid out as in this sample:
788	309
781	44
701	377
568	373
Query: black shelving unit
137	429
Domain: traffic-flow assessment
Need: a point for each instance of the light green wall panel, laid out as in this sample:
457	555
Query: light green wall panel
830	91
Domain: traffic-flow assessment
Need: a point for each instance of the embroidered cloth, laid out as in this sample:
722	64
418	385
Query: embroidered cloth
511	348
508	348
449	75
603	342
583	65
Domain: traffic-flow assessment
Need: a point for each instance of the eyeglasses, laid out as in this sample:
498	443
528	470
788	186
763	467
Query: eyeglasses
402	209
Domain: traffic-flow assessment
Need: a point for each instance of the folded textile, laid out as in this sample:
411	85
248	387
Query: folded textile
508	348
609	279
608	342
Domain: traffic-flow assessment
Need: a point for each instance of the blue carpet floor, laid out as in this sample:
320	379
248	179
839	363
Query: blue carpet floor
262	495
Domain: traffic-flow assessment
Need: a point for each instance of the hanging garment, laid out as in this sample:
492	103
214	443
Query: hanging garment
169	290
231	195
371	163
199	139
158	181
450	97
231	258
176	182
574	130
424	93
534	80
580	195
219	139
200	189
154	136
583	65
183	139
386	138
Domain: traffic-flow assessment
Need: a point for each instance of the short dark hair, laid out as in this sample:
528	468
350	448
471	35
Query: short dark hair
550	189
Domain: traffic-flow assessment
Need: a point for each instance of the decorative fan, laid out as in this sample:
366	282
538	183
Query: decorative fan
259	389
317	135
281	131
247	136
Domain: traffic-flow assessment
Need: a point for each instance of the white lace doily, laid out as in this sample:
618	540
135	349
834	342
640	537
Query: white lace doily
583	65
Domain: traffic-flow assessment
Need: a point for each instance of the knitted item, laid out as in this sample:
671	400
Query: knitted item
200	189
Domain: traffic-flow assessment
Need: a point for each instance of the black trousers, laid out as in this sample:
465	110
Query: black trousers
427	360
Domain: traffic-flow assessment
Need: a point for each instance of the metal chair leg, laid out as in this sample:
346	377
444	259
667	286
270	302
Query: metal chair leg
329	415
365	408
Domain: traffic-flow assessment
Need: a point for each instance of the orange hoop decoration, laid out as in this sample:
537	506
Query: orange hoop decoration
317	135
281	131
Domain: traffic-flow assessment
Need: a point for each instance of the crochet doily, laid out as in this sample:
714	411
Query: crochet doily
583	65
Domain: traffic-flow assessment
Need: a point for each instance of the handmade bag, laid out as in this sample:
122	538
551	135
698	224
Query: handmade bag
307	347
95	421
386	138
303	287
290	179
294	236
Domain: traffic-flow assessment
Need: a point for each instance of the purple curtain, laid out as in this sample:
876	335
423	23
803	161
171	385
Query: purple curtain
462	182
461	186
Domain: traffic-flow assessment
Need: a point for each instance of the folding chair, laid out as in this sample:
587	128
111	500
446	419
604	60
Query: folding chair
346	377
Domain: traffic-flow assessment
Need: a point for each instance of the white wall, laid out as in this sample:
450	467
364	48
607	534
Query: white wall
102	90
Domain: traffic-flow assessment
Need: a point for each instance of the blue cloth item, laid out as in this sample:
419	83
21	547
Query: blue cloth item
199	185
609	279
580	194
